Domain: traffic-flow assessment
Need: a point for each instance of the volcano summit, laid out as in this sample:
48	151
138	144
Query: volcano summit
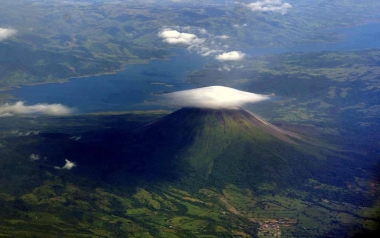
223	146
213	139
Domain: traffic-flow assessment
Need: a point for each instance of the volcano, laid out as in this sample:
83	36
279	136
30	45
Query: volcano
222	146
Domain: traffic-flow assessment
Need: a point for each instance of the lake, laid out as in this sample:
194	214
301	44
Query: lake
129	89
136	86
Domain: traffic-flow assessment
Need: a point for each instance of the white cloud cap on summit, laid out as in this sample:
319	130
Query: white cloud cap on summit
6	32
211	97
230	56
175	37
268	6
20	108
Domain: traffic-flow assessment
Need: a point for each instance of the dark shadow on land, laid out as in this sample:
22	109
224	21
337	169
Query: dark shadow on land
188	149
191	148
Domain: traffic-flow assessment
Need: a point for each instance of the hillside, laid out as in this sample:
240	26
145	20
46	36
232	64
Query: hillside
219	147
112	192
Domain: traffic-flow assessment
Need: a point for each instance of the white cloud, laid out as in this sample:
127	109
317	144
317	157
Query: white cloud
185	28
222	37
208	46
175	37
240	26
76	138
229	67
210	52
225	68
203	31
34	157
6	32
268	6
69	165
211	97
43	108
230	56
28	133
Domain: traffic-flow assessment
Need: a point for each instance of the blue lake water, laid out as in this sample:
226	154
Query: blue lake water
130	89
134	87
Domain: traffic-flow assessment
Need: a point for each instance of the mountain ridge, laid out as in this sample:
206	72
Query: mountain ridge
234	113
201	143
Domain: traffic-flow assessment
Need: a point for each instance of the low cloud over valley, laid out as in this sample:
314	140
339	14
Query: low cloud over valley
20	108
230	56
175	37
207	45
268	6
6	32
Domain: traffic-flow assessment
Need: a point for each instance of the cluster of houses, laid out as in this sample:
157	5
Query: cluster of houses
272	227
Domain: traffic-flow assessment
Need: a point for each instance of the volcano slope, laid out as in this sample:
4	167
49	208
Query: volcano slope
226	146
192	173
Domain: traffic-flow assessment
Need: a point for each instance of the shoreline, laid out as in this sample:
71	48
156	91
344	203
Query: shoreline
115	71
3	90
66	80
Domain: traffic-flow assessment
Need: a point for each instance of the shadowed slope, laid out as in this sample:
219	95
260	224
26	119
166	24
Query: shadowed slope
225	146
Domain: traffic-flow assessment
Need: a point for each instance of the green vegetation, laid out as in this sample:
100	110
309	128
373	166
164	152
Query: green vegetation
327	94
56	40
60	207
192	176
39	200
